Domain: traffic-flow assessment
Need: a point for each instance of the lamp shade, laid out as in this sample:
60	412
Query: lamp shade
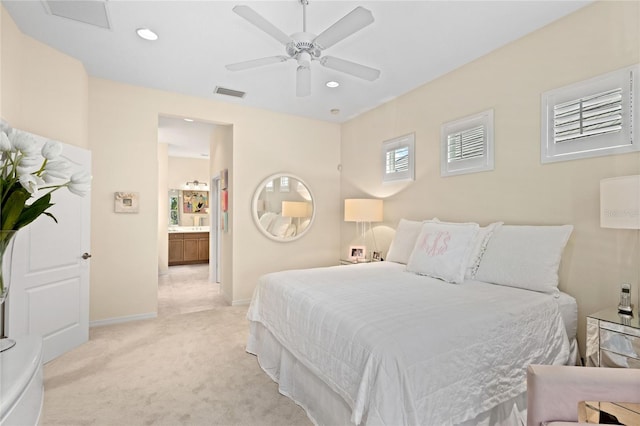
295	209
362	210
620	202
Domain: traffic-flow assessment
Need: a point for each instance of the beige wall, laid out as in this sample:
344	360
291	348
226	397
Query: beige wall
263	143
221	154
163	203
42	90
183	170
599	38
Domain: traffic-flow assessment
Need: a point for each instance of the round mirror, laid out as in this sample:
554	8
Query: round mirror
283	207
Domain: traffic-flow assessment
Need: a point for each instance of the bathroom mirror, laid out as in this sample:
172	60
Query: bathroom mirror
283	207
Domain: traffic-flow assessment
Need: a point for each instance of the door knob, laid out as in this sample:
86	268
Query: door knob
85	256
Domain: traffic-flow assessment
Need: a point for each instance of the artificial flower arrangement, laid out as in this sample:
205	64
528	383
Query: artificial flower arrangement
28	176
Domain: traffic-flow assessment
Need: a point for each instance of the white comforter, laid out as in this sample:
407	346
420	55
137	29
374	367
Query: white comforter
407	349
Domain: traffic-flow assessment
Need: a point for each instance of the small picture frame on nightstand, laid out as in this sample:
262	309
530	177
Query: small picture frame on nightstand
376	256
357	253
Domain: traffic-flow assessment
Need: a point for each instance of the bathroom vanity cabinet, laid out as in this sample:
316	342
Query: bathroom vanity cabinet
187	248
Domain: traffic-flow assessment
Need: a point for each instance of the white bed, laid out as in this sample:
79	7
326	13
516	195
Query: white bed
374	344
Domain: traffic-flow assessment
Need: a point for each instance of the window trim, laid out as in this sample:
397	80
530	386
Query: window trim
394	144
481	163
623	141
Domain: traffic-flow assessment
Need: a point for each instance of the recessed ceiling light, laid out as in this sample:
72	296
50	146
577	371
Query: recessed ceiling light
332	84
147	34
335	111
190	120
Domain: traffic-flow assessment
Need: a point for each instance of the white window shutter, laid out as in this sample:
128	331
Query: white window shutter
591	118
467	145
398	158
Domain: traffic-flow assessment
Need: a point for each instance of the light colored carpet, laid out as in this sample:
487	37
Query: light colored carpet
179	369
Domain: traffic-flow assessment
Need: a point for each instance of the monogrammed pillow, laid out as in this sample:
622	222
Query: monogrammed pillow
442	250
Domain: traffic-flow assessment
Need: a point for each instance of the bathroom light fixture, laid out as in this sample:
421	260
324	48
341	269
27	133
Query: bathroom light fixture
147	34
332	84
195	184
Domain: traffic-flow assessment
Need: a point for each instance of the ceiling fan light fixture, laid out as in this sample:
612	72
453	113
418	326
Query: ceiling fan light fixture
305	47
304	59
147	34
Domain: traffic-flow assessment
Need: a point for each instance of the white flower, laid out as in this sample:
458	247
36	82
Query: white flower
4	126
5	143
51	150
57	169
30	182
23	143
28	165
80	183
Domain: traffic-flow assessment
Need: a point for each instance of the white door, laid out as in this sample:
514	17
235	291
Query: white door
49	293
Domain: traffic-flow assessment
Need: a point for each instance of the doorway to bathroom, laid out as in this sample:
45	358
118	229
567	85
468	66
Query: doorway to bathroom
188	255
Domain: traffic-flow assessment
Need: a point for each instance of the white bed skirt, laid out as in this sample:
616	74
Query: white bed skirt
326	408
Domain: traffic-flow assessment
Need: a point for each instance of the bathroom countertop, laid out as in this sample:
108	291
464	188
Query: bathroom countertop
183	229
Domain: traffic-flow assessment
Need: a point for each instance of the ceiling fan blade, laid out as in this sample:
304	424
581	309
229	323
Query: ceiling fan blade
256	19
254	63
349	67
352	22
303	81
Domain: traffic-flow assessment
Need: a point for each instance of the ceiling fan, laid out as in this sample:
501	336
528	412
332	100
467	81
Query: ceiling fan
306	47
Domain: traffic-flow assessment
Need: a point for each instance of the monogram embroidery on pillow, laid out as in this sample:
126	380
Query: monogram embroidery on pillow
435	244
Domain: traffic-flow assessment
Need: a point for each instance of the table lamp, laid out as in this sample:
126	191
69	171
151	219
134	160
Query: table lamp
363	211
296	209
620	209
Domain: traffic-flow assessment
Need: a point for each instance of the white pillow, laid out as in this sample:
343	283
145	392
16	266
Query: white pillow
279	226
266	219
442	250
404	241
525	257
479	247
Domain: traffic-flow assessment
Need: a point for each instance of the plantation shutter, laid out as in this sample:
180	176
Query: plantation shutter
397	160
466	144
588	116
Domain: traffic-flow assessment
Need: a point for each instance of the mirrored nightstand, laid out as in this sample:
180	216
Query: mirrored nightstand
613	339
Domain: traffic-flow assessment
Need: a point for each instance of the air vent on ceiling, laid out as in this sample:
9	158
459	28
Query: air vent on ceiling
92	12
228	92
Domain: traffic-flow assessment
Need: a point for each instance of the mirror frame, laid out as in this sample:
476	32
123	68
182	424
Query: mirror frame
254	208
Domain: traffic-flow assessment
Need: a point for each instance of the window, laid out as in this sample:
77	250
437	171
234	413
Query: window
590	118
284	184
269	186
467	145
398	158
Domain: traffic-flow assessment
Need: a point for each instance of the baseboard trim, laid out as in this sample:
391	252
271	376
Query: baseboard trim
241	302
119	320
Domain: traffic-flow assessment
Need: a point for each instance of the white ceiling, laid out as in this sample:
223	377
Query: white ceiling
411	42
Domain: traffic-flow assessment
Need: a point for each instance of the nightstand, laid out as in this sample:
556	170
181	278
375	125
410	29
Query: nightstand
354	262
613	340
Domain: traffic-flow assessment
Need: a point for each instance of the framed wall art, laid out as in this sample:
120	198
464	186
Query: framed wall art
126	202
196	202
